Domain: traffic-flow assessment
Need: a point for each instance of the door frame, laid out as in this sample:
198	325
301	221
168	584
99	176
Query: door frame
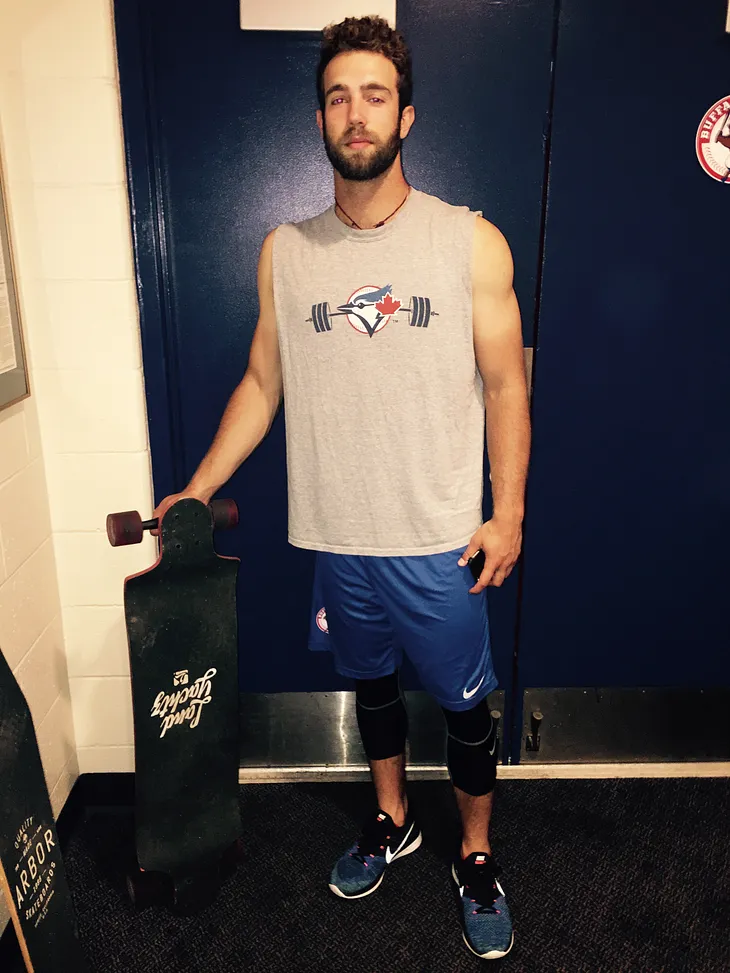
149	228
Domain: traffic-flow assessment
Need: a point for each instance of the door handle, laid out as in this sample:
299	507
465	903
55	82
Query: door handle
532	742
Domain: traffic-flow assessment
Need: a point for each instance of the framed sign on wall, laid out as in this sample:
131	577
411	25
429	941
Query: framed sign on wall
13	369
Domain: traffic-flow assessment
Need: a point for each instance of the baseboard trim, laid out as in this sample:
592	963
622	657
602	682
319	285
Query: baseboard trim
720	768
280	775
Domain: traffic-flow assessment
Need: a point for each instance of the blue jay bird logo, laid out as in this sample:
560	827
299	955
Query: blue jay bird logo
369	309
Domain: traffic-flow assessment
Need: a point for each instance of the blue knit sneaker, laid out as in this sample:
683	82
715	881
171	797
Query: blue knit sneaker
361	869
484	910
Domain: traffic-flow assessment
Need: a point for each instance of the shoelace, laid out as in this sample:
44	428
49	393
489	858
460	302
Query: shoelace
482	889
372	842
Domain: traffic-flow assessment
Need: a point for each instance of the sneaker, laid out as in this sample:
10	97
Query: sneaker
361	869
484	910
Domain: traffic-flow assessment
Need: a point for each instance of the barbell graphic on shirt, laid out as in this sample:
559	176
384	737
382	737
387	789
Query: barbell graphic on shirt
420	311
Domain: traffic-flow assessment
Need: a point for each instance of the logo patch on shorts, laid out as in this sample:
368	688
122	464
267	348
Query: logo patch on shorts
322	621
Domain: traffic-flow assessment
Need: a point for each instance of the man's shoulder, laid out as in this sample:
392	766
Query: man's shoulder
485	232
442	206
309	223
309	229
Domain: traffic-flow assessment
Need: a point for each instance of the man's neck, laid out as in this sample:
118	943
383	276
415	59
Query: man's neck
367	203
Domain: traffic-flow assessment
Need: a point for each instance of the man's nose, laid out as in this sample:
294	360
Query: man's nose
357	112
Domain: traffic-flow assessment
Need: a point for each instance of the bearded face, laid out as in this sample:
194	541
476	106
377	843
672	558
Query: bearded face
360	155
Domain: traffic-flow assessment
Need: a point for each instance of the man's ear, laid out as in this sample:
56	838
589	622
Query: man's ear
320	121
407	119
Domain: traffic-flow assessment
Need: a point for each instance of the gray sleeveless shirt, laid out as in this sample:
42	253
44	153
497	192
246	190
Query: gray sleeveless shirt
383	401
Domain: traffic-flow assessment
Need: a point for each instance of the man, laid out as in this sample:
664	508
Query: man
385	412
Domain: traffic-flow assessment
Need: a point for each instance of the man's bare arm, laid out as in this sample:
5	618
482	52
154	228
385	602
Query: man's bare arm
253	405
500	358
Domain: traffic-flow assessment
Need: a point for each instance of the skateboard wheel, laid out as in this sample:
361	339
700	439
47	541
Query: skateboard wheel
225	514
146	889
238	850
192	895
124	528
232	858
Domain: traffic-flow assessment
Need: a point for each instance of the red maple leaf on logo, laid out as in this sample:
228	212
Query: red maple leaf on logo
388	306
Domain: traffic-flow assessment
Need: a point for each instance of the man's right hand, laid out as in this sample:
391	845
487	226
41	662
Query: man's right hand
164	505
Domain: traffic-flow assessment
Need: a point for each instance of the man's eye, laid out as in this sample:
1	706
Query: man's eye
335	100
375	98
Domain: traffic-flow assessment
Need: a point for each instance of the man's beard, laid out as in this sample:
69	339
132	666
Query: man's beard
363	165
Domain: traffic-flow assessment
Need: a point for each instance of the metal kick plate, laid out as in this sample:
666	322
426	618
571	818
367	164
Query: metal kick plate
319	730
627	725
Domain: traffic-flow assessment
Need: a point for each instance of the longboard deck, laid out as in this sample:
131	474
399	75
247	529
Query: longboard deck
183	649
31	869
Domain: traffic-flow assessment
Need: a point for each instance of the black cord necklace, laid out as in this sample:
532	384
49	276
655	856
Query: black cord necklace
382	222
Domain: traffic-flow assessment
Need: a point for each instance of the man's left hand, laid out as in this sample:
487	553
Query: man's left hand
501	541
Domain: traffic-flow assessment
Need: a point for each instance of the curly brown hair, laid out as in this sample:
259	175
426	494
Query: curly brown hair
367	34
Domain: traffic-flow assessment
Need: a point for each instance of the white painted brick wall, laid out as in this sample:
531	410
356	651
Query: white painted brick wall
86	453
77	448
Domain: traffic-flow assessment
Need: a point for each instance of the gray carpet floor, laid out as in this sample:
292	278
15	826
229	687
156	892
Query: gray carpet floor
616	876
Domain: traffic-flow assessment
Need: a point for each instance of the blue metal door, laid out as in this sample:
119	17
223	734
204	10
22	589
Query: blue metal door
626	565
222	146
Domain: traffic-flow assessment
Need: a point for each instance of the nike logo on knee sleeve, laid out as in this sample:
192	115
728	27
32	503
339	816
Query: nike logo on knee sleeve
468	693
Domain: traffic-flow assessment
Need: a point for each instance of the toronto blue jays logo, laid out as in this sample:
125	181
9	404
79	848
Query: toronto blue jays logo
369	309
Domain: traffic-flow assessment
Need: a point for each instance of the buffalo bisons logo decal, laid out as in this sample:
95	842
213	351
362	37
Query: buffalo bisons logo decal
369	309
321	620
713	141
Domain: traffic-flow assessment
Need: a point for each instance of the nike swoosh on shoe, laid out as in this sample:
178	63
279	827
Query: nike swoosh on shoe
390	855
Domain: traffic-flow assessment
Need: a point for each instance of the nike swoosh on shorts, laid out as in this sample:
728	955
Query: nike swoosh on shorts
468	693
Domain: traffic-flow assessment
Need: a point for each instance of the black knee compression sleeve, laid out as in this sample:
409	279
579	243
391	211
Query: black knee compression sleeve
471	749
381	716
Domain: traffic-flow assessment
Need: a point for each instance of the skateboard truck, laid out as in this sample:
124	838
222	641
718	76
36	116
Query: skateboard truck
128	527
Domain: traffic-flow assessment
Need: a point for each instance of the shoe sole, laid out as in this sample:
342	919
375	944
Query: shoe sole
409	849
492	953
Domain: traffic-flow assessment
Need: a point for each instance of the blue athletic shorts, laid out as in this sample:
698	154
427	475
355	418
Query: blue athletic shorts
370	611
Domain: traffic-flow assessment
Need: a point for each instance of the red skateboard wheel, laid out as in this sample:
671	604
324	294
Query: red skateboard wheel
232	858
225	514
124	528
147	889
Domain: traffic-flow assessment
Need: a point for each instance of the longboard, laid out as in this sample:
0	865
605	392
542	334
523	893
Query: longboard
31	869
183	651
